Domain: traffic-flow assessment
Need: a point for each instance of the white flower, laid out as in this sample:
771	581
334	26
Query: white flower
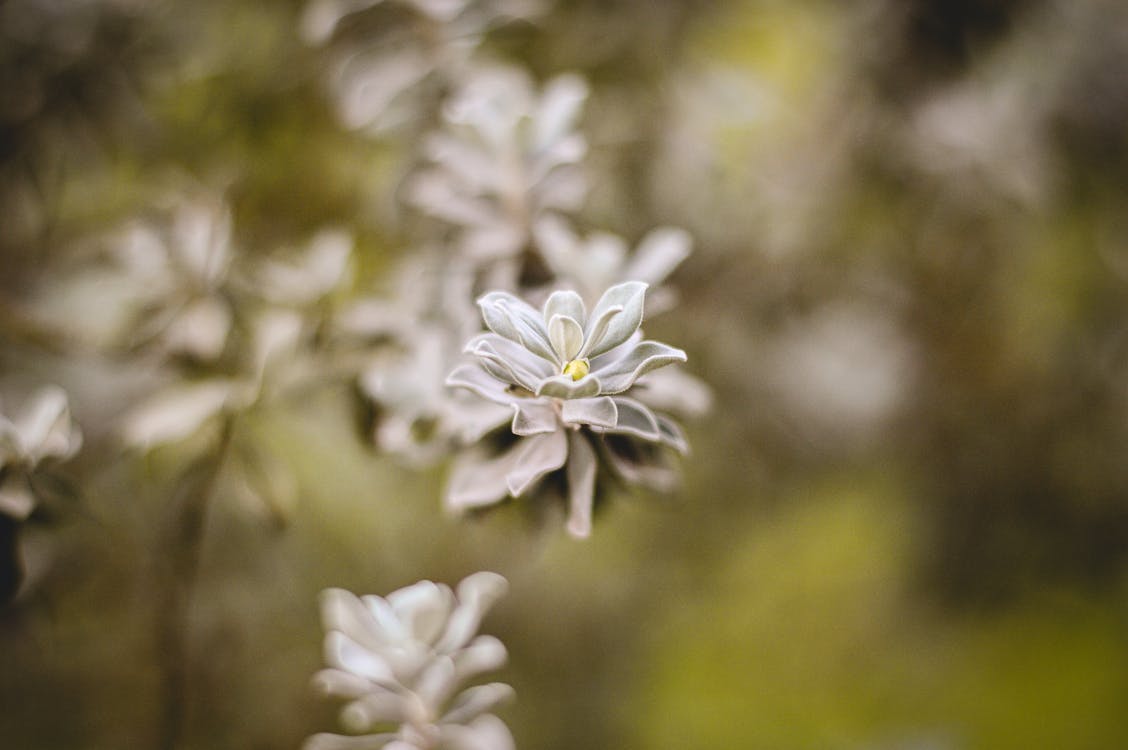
563	352
565	375
180	268
401	661
43	430
506	156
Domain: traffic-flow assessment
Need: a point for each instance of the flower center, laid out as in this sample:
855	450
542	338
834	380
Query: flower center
577	368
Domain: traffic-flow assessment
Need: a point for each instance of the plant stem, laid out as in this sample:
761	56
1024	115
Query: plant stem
179	560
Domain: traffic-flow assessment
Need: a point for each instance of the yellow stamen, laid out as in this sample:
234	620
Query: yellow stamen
577	368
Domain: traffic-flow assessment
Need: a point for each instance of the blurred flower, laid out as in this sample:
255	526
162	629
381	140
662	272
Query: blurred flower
278	308
401	660
418	331
594	263
307	276
506	156
563	374
43	430
179	268
277	304
378	79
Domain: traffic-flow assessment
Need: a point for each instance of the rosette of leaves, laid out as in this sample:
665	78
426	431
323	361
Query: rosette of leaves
401	662
570	378
506	154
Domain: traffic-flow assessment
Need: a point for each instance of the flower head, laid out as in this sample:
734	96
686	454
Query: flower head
567	375
562	351
507	155
401	659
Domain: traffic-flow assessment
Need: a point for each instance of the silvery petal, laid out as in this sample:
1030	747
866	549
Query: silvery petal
558	109
320	17
16	498
46	429
500	369
346	654
672	434
581	485
433	193
512	363
176	413
343	611
478	481
470	422
201	235
324	741
568	150
603	255
566	336
341	684
366	711
437	682
558	245
476	594
540	455
563	188
635	419
562	386
481	590
424	608
443	11
319	270
672	390
533	417
497	312
487	732
630	296
535	338
531	367
388	624
472	166
567	303
612	356
646	356
491	242
650	472
275	333
475	701
367	85
596	328
476	381
658	254
484	654
599	411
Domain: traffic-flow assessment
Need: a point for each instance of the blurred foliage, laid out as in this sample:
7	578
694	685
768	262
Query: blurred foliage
905	524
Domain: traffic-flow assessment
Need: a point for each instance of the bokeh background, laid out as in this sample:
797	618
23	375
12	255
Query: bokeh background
904	524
